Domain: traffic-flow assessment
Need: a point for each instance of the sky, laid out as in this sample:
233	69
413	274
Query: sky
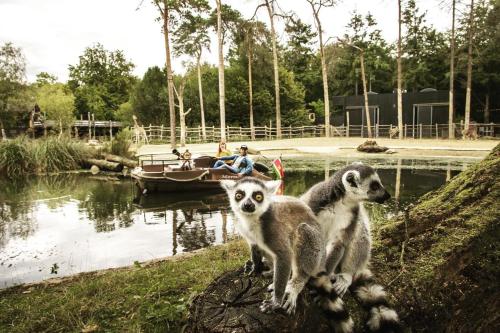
54	33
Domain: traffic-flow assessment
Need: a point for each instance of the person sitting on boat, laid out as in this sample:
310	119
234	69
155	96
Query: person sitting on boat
242	164
222	150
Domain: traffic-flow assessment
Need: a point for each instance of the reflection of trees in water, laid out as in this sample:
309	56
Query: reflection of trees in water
16	221
108	205
298	182
192	232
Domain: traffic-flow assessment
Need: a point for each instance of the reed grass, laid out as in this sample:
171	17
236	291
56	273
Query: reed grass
23	156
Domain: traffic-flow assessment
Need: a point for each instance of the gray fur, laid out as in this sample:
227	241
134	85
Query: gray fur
338	205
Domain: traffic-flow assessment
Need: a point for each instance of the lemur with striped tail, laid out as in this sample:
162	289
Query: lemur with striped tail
338	206
285	231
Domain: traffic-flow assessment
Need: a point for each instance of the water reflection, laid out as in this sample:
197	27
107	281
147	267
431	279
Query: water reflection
82	224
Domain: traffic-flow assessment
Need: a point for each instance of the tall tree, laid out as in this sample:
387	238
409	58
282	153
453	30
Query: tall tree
399	78
222	98
316	6
149	98
101	81
451	130
469	67
58	103
192	38
12	76
172	12
269	4
182	114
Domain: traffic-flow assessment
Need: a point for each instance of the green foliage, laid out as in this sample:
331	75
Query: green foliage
124	113
16	158
149	98
58	103
44	78
101	81
121	143
23	156
13	92
424	51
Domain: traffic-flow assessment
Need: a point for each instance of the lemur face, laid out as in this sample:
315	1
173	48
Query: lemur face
362	183
250	196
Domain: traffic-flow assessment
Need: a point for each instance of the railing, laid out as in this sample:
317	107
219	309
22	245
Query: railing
161	134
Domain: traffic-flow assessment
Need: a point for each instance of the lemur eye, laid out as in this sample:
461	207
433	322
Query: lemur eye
239	196
374	186
258	196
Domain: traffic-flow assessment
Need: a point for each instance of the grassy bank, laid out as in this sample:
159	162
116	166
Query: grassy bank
23	156
139	299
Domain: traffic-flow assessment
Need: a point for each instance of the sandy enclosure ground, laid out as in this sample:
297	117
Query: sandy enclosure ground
346	147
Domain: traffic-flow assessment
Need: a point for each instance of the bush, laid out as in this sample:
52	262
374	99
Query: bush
23	156
121	143
16	158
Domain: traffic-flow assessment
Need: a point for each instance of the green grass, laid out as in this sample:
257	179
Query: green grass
154	298
23	156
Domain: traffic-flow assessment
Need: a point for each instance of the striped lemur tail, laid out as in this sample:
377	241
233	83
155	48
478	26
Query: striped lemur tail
331	304
372	297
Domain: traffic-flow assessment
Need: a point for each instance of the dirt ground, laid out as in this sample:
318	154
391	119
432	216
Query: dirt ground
346	147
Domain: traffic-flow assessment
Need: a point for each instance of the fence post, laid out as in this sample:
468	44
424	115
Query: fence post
161	132
376	130
90	126
404	136
390	131
93	123
437	132
420	125
110	130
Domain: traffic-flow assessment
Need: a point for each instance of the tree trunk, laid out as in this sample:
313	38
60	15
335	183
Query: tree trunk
119	159
399	89
102	164
202	110
270	11
451	106
469	70
170	79
324	73
182	114
222	99
365	94
487	108
231	305
250	88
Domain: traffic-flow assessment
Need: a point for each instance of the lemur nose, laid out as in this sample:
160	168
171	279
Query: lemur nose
249	206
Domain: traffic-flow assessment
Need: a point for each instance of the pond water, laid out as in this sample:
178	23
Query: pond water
60	225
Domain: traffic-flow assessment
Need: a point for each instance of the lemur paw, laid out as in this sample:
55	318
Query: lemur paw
342	283
251	269
268	306
290	300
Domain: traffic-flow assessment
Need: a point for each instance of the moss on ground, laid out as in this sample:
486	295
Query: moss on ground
440	259
153	298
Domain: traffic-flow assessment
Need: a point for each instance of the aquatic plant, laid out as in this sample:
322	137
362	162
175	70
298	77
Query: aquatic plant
16	158
23	156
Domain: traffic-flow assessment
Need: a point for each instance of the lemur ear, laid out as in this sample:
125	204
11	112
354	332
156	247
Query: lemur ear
227	184
273	185
352	178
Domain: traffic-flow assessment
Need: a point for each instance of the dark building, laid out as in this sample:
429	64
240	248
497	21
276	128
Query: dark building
427	107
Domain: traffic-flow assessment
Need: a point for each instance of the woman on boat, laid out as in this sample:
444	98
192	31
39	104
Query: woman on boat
222	151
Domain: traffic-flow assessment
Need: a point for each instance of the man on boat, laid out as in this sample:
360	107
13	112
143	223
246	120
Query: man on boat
242	164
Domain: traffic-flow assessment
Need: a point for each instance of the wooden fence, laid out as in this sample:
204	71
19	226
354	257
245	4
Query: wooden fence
161	134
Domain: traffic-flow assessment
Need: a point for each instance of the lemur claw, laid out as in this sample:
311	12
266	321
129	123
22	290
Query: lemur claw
341	284
289	303
268	306
251	269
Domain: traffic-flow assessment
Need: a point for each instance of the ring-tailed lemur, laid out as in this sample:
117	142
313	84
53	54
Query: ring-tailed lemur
338	205
286	232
